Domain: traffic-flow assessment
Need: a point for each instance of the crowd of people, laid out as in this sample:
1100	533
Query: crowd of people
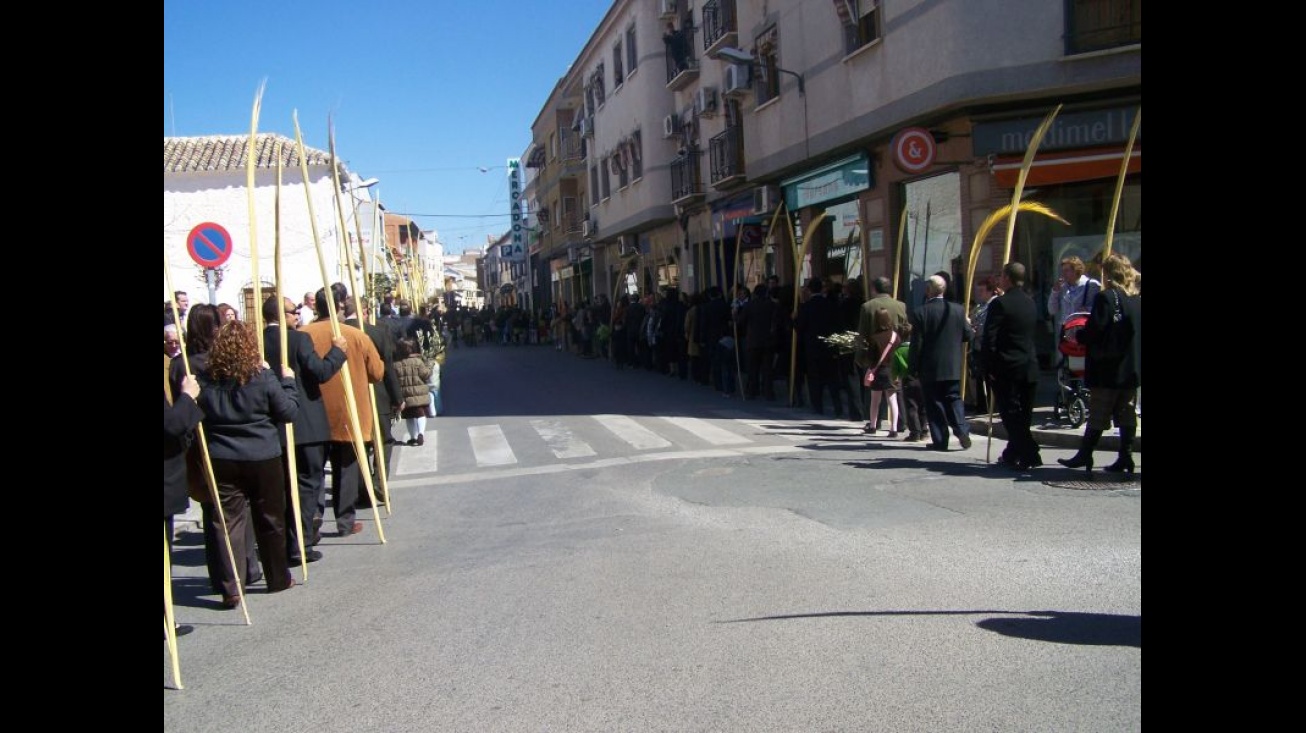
258	407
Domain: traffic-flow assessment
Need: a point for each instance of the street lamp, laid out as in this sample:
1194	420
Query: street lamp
740	56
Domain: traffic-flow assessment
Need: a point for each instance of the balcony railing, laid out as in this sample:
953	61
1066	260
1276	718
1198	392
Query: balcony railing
682	65
720	25
686	180
726	155
1094	25
572	224
573	147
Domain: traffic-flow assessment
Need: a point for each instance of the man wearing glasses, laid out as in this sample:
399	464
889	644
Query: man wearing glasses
312	431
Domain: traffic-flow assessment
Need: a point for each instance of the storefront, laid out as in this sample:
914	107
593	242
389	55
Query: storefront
827	197
1075	174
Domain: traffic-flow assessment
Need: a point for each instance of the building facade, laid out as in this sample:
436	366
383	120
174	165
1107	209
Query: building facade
841	138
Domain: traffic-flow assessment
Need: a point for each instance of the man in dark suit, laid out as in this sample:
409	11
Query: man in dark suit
312	432
1010	363
389	395
817	318
940	331
759	320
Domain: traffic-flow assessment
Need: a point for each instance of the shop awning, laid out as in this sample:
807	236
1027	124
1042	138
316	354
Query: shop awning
1065	167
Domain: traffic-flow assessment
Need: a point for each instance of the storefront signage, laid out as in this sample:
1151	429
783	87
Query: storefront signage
834	181
913	150
1069	130
514	250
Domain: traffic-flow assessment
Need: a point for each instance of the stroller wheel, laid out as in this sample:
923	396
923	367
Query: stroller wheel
1077	411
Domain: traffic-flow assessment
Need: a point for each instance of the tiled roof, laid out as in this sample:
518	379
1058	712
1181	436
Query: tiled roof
228	153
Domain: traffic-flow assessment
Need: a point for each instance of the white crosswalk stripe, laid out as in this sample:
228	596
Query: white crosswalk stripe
706	430
490	446
423	459
591	438
638	436
562	441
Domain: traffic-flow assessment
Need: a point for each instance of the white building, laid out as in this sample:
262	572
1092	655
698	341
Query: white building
204	182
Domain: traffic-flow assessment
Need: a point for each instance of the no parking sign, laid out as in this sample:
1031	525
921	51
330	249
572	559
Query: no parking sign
209	244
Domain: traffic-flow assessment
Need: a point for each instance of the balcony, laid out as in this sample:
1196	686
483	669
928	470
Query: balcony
686	180
720	26
726	158
682	66
572	149
1097	25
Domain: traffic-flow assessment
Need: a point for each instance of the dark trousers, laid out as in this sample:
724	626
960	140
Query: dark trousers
821	379
1015	403
215	549
848	384
943	409
761	378
913	407
310	478
723	368
345	479
387	437
254	492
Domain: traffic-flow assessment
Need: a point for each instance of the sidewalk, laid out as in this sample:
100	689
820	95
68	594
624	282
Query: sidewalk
1046	432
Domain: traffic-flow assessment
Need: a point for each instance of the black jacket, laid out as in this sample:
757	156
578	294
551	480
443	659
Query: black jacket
1125	372
939	329
311	371
179	422
1007	345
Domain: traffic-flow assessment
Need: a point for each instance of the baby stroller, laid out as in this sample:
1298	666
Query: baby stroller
1072	395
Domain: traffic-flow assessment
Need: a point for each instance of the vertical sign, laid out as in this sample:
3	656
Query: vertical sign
515	249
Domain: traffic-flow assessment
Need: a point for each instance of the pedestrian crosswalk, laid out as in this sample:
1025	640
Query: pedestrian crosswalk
513	444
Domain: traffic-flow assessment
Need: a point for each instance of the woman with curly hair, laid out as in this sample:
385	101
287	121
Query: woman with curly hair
244	404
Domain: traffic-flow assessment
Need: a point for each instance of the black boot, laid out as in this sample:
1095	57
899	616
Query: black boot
1084	458
1125	458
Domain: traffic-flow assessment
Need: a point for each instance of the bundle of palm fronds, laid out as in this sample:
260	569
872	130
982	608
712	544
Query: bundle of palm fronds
847	342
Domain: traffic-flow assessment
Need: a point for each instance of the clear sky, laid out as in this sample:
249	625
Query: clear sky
422	93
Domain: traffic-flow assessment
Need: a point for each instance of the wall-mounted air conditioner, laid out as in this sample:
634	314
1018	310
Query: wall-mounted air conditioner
670	126
666	8
765	199
737	81
590	228
705	101
587	127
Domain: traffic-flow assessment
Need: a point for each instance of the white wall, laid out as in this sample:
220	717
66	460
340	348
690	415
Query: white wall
190	199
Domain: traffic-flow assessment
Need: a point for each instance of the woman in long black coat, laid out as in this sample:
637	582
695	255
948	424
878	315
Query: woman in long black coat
1113	369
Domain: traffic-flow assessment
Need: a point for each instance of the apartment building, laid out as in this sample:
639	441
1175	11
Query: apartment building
876	134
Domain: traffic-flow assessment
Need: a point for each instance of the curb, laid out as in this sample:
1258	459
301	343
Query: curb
1054	438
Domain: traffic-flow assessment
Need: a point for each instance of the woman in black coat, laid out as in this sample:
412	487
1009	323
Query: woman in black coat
1113	368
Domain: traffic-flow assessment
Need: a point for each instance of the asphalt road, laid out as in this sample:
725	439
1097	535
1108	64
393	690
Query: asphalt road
578	548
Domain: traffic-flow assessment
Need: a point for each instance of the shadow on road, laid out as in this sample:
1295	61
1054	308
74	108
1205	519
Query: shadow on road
1059	627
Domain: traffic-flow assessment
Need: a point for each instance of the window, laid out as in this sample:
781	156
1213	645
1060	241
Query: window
617	58
636	153
766	82
553	146
623	166
594	185
860	20
605	180
631	58
1093	25
597	81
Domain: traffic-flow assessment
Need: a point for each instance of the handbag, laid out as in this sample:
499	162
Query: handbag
1118	335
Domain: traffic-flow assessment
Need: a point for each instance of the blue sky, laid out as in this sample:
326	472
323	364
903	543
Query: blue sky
422	93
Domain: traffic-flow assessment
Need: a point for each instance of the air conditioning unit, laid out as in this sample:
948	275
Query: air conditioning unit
590	228
765	199
626	245
670	126
587	127
737	81
666	8
573	254
705	101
